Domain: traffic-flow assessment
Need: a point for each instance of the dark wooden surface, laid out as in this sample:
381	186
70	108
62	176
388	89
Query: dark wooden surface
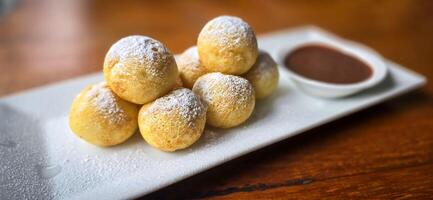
382	152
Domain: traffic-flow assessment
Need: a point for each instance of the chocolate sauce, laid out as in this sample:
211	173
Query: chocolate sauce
327	64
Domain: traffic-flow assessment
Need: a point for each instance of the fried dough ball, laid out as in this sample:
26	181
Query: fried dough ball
263	75
174	121
100	117
227	44
230	98
190	67
140	69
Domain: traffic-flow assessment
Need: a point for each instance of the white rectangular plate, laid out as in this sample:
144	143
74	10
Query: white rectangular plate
40	157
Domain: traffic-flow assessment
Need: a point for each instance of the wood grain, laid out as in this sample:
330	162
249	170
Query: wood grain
385	152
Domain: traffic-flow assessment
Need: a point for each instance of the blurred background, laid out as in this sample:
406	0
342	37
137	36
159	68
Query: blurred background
43	41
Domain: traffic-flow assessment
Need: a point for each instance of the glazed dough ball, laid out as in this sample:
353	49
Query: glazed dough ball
230	98
263	75
100	117
227	44
190	67
174	121
140	69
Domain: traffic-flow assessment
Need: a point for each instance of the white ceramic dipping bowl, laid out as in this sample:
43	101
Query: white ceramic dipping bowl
331	90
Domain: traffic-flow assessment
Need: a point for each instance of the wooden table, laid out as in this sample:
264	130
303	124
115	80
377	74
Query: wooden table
382	152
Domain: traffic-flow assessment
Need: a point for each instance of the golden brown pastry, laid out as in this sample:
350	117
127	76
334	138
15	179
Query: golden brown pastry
227	44
230	98
263	75
190	67
140	69
100	117
174	121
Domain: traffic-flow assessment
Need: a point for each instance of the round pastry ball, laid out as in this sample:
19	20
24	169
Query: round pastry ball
174	121
227	44
140	69
230	98
100	117
263	75
190	67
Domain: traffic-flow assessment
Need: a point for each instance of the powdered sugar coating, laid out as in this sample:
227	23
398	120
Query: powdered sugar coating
190	67
236	88
265	65
263	75
104	100
141	49
227	44
184	101
229	31
189	59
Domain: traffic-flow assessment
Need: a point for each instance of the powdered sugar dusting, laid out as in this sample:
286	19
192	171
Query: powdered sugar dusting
211	137
237	88
227	29
189	59
188	104
142	49
265	67
104	100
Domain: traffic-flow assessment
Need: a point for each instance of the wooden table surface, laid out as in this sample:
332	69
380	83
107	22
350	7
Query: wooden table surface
382	152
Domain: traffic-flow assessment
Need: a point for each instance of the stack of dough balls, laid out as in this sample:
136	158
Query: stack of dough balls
171	100
137	70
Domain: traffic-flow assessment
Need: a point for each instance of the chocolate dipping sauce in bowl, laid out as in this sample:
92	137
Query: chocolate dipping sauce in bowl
333	69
